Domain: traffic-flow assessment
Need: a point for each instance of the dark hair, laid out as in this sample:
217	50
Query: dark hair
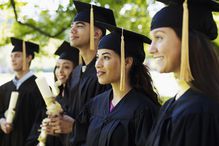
204	63
140	80
61	88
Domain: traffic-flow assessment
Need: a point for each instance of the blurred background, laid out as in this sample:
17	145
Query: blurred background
47	22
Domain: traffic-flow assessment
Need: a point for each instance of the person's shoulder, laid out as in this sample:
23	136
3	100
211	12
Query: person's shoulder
102	96
141	97
9	83
196	103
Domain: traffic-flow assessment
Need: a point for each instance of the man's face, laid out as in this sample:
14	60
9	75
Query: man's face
16	61
80	34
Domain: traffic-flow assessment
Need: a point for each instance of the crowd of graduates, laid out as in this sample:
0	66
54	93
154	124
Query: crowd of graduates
106	93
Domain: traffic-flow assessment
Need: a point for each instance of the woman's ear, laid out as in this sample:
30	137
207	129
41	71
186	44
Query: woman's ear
128	62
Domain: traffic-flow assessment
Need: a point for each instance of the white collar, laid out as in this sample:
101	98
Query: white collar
19	82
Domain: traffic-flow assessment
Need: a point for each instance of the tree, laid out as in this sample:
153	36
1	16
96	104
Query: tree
55	22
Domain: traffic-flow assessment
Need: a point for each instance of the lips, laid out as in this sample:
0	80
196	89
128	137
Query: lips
100	73
61	77
159	58
74	37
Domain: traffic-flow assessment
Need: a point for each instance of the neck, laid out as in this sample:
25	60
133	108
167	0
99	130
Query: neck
183	87
176	75
21	73
117	93
87	55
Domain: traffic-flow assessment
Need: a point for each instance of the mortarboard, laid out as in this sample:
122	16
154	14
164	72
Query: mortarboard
188	15
91	13
125	43
100	13
28	48
200	16
66	51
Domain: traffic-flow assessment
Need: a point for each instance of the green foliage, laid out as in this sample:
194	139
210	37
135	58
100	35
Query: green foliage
132	15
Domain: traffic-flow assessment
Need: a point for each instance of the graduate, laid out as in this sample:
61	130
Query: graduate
123	115
29	98
181	43
84	84
65	64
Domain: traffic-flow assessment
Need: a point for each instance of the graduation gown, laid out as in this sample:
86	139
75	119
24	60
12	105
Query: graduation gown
58	140
29	101
128	124
192	120
83	87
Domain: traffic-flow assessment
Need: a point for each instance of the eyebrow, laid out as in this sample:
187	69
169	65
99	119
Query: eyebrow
79	22
156	31
106	53
63	63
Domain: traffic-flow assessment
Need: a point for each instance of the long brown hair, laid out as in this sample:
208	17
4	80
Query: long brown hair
140	79
204	63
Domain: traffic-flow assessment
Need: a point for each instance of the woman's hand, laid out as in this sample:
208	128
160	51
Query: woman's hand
61	124
6	127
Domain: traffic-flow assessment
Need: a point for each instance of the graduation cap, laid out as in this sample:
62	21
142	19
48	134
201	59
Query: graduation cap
28	48
188	15
66	51
91	13
125	43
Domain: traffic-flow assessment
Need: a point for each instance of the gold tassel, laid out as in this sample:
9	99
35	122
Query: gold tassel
24	56
80	59
122	74
185	71
92	28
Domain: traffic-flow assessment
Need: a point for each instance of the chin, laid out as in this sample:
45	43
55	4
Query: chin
103	82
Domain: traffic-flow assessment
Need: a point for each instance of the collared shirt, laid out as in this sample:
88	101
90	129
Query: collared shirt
19	82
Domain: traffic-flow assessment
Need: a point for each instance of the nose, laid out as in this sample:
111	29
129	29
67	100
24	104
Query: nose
98	63
60	70
73	28
12	58
152	48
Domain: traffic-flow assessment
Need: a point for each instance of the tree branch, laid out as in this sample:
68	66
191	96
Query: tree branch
34	27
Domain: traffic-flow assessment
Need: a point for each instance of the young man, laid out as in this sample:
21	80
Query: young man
29	98
84	83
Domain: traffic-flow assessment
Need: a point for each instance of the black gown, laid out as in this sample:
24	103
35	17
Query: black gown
58	140
83	87
128	124
192	120
29	101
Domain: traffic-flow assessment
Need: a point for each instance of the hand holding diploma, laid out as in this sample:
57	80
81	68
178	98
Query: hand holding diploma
6	127
11	109
53	107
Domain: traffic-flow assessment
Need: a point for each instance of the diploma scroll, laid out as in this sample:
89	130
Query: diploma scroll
52	106
11	109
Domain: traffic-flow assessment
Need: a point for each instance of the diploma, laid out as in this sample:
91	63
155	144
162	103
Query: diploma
53	107
11	109
55	88
44	87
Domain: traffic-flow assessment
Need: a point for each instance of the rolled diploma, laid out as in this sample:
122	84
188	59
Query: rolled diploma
55	88
13	101
44	88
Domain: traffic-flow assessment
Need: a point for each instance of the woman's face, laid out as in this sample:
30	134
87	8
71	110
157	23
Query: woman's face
165	48
107	66
64	68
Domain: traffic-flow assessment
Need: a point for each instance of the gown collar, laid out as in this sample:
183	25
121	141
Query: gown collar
19	82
